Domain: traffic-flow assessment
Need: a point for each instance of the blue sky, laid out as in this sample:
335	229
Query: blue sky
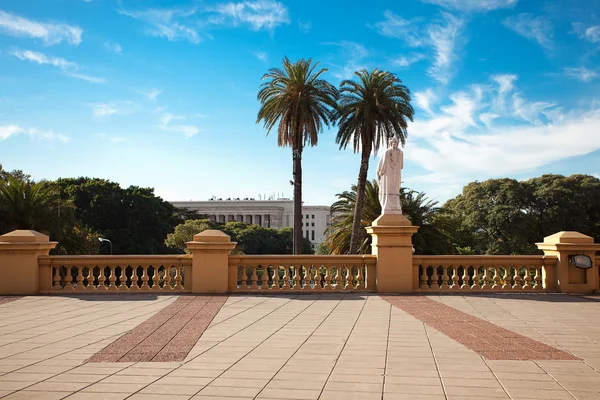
163	93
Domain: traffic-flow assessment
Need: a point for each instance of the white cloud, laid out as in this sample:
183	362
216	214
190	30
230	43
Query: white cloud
352	53
119	108
69	68
168	23
533	28
87	78
42	59
455	152
304	26
397	27
165	123
506	83
152	94
473	5
589	33
260	14
440	35
49	33
262	56
443	36
114	47
407	61
7	131
487	118
424	99
582	74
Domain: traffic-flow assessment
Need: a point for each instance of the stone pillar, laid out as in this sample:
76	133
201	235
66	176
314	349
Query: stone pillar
19	267
569	278
392	244
210	261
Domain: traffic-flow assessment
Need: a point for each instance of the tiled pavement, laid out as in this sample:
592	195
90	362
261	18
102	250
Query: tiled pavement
298	347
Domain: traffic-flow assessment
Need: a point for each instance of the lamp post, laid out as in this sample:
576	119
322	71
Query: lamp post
106	240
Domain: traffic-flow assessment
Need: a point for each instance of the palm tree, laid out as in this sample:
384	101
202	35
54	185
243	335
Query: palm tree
302	103
371	112
28	205
430	239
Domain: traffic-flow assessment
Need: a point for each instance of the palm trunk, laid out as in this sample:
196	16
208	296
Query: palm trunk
297	202
360	199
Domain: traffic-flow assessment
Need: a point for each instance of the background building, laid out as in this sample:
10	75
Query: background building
275	213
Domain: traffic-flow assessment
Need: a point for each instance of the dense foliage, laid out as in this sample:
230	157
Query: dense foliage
430	239
505	216
251	239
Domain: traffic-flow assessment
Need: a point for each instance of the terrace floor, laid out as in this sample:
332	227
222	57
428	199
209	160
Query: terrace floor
334	346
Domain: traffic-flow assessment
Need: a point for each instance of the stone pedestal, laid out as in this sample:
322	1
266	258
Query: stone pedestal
567	277
19	268
392	244
210	261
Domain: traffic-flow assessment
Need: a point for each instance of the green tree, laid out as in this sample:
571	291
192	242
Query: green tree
134	219
28	205
431	237
371	111
251	239
297	99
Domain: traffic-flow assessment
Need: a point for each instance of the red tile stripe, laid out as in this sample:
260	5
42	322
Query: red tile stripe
489	340
169	335
8	299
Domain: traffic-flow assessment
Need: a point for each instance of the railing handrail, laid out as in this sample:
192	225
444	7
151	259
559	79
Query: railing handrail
302	258
185	259
486	259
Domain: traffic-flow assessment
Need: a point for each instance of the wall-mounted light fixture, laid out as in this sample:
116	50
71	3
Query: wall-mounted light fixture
580	261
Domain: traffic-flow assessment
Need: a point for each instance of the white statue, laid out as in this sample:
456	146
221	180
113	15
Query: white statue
389	177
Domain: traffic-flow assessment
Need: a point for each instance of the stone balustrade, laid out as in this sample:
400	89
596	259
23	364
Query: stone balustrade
27	268
117	273
483	273
279	273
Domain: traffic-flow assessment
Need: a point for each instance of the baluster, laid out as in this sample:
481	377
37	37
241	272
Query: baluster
112	279
177	279
264	279
275	277
327	278
349	278
360	285
424	285
486	278
445	277
144	277
527	279
465	278
297	272
538	278
254	277
90	278
497	281
518	280
56	277
435	278
476	278
79	279
507	278
101	279
284	284
455	279
308	277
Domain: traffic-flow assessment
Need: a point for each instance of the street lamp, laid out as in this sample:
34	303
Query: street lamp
106	240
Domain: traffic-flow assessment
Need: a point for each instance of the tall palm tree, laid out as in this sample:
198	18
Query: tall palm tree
371	111
421	211
28	205
302	103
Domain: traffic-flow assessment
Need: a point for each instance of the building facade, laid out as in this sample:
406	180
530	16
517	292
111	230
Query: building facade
276	214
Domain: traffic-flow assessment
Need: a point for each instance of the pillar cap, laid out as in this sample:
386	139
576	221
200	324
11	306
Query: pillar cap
568	237
392	220
212	235
24	236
